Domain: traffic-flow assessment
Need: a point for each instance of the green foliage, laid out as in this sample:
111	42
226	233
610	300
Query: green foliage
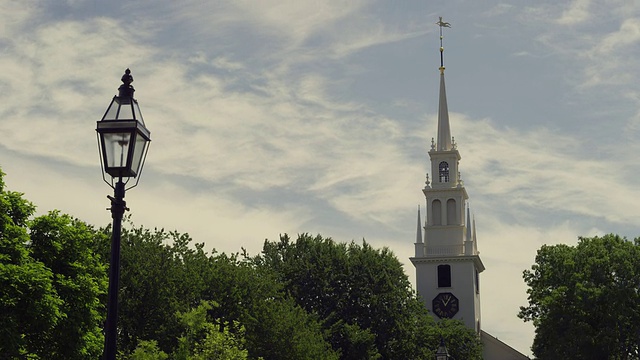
51	284
584	300
203	339
148	350
361	295
29	305
64	245
160	275
461	342
279	329
355	342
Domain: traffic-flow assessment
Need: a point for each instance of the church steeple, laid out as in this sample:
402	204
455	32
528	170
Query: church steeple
446	257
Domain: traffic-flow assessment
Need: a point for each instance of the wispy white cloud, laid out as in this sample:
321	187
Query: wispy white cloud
52	75
596	45
576	13
543	171
257	128
299	20
628	34
498	10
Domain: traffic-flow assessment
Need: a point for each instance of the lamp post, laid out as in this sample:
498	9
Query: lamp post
123	141
442	353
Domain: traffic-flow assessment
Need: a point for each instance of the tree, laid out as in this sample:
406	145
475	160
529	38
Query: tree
163	274
278	329
29	304
584	300
160	276
361	295
65	245
461	342
148	350
203	339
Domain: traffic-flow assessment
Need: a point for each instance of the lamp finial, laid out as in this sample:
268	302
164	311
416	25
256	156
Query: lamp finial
127	79
126	89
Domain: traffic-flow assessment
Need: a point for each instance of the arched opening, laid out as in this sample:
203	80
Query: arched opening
452	219
443	172
436	212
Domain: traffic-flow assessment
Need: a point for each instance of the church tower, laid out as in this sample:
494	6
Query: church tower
446	258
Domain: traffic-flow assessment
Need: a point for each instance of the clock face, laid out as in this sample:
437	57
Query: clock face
445	305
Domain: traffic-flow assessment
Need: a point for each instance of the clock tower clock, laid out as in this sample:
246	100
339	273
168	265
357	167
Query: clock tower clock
447	261
445	305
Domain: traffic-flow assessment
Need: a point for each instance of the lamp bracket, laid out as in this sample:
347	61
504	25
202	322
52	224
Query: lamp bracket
117	204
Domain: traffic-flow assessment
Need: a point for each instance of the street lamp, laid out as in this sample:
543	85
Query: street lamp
123	141
442	353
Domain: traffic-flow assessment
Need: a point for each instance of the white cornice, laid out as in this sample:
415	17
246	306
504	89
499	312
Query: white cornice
455	258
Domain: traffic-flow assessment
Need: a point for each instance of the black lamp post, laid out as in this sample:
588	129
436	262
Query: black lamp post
442	353
123	140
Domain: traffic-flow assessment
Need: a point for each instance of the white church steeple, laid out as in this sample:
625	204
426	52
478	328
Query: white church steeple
444	130
446	258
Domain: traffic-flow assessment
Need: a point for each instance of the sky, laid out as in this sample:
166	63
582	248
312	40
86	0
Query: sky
271	117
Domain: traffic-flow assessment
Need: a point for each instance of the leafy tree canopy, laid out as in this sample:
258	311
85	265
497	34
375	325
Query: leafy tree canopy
203	339
30	308
584	300
362	296
163	275
65	245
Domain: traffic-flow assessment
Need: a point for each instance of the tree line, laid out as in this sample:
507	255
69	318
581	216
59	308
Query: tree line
308	298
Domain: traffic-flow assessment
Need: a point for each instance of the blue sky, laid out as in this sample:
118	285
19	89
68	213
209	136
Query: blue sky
299	116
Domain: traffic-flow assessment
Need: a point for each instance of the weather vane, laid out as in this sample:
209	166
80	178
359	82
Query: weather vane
442	24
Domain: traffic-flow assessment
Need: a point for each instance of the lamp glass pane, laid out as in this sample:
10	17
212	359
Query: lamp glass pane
116	147
137	113
138	153
126	112
112	111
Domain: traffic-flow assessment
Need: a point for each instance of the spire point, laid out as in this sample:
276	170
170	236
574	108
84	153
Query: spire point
419	230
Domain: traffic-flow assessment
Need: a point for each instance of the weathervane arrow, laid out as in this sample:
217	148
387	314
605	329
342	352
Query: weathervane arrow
442	24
